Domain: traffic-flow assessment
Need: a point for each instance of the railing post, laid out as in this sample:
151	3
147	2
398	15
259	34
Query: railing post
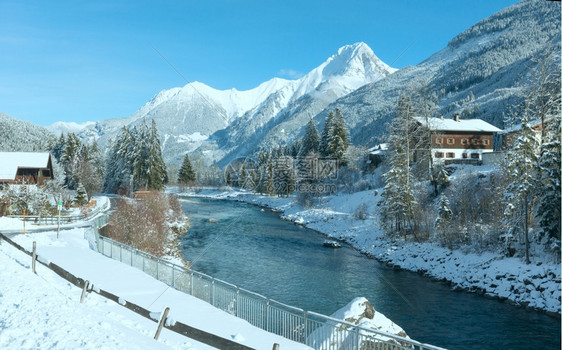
191	283
305	328
161	323
173	276
34	256
86	283
237	301
267	315
213	292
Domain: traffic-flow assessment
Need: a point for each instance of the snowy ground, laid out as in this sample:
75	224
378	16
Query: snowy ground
43	311
536	285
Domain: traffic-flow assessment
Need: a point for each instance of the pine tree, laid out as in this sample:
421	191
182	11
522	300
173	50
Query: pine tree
57	149
522	163
228	179
549	186
295	148
149	169
310	141
326	132
398	196
543	101
445	214
72	145
269	184
81	195
186	175
338	139
242	176
135	161
119	164
440	176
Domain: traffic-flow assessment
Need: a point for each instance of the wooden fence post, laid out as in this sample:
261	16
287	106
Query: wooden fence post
84	291
161	324
34	256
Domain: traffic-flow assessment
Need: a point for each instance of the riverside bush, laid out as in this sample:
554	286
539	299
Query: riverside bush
145	223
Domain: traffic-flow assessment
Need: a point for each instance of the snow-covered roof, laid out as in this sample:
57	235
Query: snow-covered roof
11	161
535	124
378	149
477	125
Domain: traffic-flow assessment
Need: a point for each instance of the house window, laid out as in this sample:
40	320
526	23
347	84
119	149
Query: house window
485	142
438	140
475	156
450	155
464	141
438	154
450	141
474	141
465	155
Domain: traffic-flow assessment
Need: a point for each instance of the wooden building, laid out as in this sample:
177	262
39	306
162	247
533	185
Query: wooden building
376	155
508	136
25	168
459	140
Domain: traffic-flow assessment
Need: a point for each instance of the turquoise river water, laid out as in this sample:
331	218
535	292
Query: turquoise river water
256	250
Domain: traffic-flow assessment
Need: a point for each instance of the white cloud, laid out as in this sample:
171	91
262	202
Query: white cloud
290	73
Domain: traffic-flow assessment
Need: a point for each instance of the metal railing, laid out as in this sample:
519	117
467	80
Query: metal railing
315	330
64	219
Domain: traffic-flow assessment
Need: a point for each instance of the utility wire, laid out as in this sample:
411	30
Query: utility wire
221	114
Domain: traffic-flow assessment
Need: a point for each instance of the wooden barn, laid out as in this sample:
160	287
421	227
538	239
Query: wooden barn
25	168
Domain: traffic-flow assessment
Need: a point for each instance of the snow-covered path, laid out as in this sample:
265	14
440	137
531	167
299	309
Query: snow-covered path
43	311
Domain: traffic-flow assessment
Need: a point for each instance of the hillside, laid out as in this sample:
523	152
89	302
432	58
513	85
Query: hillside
482	73
20	136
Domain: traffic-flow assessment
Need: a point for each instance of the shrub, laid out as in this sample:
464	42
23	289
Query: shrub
144	223
360	212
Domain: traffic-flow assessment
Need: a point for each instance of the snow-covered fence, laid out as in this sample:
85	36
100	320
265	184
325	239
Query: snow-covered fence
315	330
65	219
48	220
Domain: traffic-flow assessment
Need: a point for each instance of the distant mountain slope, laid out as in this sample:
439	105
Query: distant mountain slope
482	72
20	136
279	119
187	116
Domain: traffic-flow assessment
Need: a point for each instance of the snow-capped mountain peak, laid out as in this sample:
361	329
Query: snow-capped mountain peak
350	68
356	59
186	115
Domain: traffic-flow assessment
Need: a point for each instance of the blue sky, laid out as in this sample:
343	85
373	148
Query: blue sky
79	61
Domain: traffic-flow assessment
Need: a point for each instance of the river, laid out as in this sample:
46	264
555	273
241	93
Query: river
256	250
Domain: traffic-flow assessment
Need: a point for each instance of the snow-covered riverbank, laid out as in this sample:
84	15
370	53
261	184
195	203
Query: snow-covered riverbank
43	311
535	286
